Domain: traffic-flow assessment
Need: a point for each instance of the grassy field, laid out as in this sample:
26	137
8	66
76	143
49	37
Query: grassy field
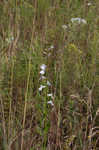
49	75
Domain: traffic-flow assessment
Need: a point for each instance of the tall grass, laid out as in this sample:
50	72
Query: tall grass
56	107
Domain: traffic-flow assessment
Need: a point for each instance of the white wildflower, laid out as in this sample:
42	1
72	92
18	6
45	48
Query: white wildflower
75	19
42	72
42	77
89	4
51	47
64	26
50	102
43	67
83	21
79	20
50	95
48	83
41	87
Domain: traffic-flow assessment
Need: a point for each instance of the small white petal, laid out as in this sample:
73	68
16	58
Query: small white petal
50	95
89	4
83	21
50	102
43	67
75	19
48	83
42	77
51	47
41	87
64	27
79	20
42	72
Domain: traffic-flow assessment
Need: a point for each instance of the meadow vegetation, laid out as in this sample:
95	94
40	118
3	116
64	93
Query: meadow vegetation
49	75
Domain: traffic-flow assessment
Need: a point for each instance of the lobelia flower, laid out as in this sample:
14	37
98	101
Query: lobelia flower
43	67
50	102
50	95
48	83
83	21
42	72
89	4
42	78
79	20
41	87
64	26
51	47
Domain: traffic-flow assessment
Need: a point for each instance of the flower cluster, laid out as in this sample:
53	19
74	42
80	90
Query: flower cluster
43	68
43	77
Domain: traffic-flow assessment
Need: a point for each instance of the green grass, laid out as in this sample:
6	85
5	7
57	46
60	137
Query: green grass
57	107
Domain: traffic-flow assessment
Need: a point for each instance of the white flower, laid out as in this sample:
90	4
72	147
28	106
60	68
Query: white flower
42	77
49	54
64	26
50	102
41	87
48	83
50	95
79	20
89	4
83	21
43	67
75	19
51	47
42	72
